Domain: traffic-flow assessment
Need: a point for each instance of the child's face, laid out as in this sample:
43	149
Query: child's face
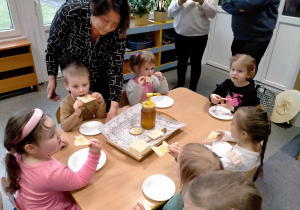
239	74
50	141
188	204
146	69
78	86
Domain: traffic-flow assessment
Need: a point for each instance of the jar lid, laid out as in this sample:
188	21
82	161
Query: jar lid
148	104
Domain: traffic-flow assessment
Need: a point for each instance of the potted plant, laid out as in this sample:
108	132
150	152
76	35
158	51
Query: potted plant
141	9
161	11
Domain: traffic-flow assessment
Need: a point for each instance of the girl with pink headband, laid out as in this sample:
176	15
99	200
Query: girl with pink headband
41	181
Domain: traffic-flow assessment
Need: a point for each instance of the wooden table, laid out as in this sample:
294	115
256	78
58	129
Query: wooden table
118	184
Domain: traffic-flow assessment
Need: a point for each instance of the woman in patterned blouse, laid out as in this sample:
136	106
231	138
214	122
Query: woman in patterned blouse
91	32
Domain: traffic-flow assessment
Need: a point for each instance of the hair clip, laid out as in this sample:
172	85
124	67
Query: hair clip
136	55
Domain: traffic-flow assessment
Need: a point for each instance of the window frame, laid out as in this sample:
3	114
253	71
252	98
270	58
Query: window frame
15	19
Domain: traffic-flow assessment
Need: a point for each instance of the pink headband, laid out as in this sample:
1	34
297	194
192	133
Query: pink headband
31	124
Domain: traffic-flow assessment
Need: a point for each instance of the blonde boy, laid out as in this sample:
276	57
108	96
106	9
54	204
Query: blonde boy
72	110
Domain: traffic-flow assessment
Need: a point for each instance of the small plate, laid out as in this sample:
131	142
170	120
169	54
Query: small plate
221	147
78	158
220	112
162	101
91	128
159	187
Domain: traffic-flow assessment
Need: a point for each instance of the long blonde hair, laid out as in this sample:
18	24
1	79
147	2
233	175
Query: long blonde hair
196	159
247	61
223	190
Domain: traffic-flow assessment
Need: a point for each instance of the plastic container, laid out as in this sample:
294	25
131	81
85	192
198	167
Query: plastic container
140	44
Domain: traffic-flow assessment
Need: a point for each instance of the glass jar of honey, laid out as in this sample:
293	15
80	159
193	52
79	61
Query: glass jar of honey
148	115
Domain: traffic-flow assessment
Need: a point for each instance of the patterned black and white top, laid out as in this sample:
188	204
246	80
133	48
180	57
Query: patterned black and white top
70	40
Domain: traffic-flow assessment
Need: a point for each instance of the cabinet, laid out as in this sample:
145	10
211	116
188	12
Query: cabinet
17	69
153	30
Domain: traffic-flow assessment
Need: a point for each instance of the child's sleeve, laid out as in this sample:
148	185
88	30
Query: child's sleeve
160	86
222	89
64	179
134	92
100	109
209	8
68	118
227	137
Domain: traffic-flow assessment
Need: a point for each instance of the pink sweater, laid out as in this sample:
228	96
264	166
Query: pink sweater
46	185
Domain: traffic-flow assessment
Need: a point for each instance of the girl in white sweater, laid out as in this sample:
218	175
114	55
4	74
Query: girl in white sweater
250	128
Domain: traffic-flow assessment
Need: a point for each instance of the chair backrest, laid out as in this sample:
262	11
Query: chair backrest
267	99
123	100
251	174
58	115
9	196
1	202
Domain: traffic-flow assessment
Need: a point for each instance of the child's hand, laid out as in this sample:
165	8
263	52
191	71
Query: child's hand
228	105
78	107
174	149
215	99
138	206
159	75
98	97
141	80
95	146
206	141
220	136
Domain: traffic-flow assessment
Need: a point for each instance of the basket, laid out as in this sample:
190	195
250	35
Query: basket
267	99
139	45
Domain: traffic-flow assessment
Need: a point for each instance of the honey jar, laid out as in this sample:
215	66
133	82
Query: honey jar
148	112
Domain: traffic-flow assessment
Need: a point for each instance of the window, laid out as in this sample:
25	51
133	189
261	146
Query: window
292	8
49	8
9	19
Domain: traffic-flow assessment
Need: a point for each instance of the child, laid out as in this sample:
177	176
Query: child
224	190
250	126
239	90
41	181
73	110
143	64
193	160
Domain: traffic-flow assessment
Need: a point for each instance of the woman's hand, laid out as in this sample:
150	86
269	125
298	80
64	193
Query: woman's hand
159	75
112	111
78	107
51	94
95	146
174	149
138	206
215	99
98	97
141	80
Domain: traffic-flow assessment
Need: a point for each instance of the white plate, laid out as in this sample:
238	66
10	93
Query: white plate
91	128
220	112
159	187
78	158
221	147
162	101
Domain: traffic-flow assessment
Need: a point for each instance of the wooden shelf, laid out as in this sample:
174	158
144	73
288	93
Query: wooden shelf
154	31
17	69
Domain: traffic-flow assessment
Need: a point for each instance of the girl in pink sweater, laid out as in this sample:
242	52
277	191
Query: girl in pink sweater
41	181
